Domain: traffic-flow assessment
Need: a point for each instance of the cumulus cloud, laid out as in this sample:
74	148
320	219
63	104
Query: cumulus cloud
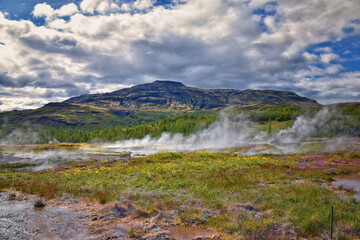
43	10
328	57
67	10
125	7
143	4
106	44
90	6
301	24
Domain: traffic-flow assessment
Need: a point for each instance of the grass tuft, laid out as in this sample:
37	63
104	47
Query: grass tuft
103	196
39	204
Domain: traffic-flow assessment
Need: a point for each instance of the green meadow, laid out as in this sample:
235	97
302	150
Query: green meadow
258	196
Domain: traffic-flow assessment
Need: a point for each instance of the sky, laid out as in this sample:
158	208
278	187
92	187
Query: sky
54	50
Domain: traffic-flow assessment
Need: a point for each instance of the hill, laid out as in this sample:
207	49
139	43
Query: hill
146	103
169	95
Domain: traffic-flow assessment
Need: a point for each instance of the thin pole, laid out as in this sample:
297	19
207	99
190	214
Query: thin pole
332	222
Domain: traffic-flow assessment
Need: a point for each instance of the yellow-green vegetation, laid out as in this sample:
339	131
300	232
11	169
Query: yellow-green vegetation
275	126
253	196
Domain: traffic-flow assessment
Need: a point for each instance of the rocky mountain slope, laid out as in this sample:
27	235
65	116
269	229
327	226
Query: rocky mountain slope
168	95
147	103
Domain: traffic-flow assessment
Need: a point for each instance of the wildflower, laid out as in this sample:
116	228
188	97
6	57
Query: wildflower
303	166
59	169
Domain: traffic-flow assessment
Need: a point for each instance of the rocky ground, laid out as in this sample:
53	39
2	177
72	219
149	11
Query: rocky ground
71	218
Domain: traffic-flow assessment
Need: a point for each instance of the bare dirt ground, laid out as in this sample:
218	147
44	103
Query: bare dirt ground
71	218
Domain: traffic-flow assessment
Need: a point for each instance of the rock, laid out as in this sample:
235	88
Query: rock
206	213
193	221
68	198
141	214
152	226
172	214
159	216
236	208
297	181
158	236
206	237
258	216
122	209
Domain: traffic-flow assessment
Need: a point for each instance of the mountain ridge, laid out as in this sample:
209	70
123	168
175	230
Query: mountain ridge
173	95
147	103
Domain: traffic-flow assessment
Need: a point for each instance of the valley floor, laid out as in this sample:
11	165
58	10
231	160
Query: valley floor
193	195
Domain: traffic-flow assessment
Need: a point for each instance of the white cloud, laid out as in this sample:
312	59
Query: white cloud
270	23
43	10
323	49
125	7
328	57
143	4
302	23
114	6
57	23
103	7
334	69
311	57
90	6
67	10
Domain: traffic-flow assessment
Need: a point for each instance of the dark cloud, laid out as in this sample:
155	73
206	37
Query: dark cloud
19	82
76	91
66	42
67	47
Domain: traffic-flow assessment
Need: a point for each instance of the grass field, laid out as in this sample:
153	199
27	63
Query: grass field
255	197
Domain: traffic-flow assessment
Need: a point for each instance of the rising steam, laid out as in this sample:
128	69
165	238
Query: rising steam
50	158
228	132
18	136
237	130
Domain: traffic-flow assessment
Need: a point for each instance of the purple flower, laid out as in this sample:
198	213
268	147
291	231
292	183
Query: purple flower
313	159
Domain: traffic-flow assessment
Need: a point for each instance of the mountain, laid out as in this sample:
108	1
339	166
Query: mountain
147	103
168	95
